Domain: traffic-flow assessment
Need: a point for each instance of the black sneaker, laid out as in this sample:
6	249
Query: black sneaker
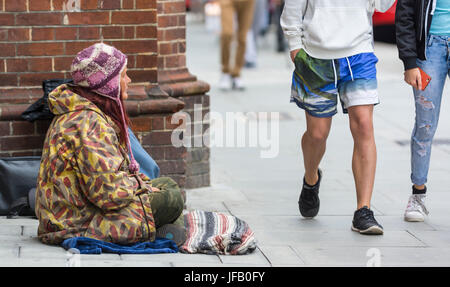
309	202
364	222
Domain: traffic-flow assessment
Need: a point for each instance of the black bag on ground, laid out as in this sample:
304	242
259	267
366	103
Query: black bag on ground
18	179
39	110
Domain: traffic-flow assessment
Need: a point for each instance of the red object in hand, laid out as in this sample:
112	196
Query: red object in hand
426	79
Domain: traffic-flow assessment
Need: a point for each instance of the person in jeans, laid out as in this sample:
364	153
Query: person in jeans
331	44
243	9
423	41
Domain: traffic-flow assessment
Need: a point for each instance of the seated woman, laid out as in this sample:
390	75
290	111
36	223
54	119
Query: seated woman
89	184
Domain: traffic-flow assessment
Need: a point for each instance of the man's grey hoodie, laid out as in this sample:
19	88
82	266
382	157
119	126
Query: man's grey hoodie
331	29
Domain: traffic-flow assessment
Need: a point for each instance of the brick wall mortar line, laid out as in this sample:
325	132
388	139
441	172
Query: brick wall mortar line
76	41
80	26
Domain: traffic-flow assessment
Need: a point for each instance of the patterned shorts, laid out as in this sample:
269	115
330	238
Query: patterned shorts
317	83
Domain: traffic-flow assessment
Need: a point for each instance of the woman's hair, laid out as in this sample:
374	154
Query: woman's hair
109	107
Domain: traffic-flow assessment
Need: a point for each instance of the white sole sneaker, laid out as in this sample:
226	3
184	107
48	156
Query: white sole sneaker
225	82
414	217
375	230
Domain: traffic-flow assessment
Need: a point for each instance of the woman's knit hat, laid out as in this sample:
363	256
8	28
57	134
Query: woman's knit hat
98	68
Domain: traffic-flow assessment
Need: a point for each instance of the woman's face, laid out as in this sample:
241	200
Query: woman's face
124	81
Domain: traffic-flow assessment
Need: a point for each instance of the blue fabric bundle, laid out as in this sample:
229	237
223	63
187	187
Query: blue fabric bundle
93	246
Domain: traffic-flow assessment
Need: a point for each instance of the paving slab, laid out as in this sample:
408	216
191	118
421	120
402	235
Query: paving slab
35	249
35	262
281	255
206	205
11	230
22	220
173	258
8	252
338	238
437	238
256	258
200	264
438	222
362	257
290	208
118	263
330	223
217	192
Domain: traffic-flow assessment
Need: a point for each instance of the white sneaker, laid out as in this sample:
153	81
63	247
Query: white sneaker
237	84
416	210
225	82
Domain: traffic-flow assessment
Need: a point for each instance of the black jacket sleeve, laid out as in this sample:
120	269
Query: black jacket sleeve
405	29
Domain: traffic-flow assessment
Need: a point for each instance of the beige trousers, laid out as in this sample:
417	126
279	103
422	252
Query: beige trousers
244	12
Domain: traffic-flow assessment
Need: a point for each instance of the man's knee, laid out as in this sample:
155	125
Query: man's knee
318	135
362	127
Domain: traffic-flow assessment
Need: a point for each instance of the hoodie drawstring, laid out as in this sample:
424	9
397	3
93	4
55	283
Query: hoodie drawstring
335	74
350	68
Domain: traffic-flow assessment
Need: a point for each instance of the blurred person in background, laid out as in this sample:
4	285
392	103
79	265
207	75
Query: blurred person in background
278	6
243	9
259	26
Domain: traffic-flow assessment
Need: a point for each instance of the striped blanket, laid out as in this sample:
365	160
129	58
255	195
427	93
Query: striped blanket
217	233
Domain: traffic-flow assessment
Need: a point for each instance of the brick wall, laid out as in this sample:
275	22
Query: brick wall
197	160
39	38
20	138
171	35
154	133
175	79
197	104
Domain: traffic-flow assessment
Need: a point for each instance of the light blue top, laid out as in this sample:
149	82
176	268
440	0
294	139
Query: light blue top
440	25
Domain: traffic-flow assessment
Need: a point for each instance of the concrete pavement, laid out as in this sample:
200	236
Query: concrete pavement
264	192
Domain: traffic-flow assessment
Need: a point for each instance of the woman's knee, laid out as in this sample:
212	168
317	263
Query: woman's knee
164	183
174	197
175	204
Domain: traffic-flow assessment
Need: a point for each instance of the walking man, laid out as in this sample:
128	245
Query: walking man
423	41
243	10
331	44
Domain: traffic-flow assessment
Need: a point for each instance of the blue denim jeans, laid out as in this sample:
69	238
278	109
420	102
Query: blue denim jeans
428	105
147	165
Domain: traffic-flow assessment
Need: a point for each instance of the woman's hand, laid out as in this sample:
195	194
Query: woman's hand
413	78
154	189
293	54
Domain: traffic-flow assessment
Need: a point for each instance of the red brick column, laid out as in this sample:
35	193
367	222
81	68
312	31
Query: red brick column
174	79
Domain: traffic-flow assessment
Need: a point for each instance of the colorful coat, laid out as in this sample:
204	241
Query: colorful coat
84	187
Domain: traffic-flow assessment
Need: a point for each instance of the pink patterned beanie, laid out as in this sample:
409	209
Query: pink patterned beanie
98	68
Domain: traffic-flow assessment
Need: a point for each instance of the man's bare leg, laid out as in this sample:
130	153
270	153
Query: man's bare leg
364	152
313	145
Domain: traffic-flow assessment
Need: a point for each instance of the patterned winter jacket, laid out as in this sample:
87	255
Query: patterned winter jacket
84	187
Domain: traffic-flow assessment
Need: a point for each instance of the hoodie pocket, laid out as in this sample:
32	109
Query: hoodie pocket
337	27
